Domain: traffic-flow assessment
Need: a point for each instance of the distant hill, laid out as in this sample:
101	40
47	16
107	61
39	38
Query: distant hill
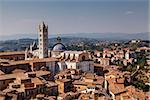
111	36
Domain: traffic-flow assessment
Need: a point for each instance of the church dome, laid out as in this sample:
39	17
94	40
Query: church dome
59	47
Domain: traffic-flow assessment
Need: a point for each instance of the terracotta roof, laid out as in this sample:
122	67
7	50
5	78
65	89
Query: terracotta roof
50	84
12	53
37	81
115	73
136	93
11	76
1	72
78	82
116	88
89	75
112	67
22	75
18	71
86	96
63	80
39	73
86	83
30	61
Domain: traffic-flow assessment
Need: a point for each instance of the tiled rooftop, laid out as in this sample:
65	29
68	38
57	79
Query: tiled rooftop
12	53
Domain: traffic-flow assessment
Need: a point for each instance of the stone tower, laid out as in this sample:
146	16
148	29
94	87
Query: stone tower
43	40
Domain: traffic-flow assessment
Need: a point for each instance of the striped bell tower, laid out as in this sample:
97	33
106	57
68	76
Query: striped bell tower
43	40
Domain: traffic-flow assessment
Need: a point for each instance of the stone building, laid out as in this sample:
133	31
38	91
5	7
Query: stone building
16	55
40	51
27	85
76	60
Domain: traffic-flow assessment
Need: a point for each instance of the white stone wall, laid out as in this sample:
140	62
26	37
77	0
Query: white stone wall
86	66
61	66
71	65
127	56
51	66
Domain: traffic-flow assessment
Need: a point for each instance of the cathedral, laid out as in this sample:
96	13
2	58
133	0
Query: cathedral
65	59
41	50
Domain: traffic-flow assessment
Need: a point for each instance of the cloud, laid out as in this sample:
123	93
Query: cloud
129	12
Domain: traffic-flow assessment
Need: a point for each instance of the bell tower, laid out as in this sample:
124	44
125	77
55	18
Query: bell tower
43	40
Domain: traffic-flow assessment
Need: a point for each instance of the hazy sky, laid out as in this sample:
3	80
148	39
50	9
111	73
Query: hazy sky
73	16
